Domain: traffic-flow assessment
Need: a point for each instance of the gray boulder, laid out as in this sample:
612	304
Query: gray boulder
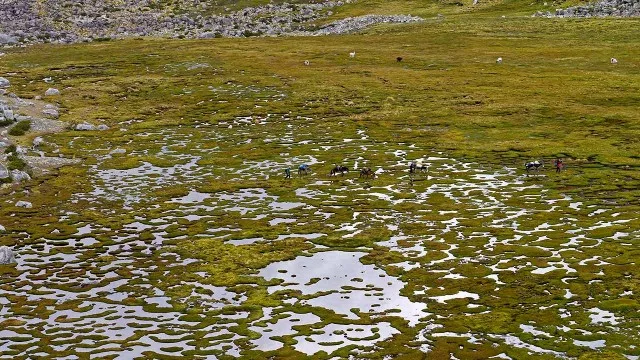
85	127
19	176
8	114
52	113
24	204
2	229
6	256
4	173
7	39
52	92
103	127
4	83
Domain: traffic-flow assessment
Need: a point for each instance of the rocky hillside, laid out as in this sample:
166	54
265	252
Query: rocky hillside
55	21
619	8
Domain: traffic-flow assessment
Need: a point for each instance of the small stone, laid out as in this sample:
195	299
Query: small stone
85	127
4	83
24	204
52	92
103	127
52	113
2	229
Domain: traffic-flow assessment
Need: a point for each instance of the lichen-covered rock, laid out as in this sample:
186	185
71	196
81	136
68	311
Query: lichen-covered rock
51	113
85	127
8	114
604	8
4	173
19	176
52	92
354	24
6	256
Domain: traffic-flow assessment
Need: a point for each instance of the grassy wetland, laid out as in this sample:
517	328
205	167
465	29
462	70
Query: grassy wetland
177	235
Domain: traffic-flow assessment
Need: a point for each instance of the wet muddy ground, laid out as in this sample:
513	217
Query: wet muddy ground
178	244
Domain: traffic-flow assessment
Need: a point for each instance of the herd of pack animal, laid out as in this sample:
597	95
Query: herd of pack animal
414	167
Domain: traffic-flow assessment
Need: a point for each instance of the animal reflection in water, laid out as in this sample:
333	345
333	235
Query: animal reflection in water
367	173
339	169
304	169
533	166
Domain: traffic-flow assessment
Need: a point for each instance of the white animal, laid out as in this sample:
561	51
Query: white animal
37	142
307	63
352	54
499	61
614	60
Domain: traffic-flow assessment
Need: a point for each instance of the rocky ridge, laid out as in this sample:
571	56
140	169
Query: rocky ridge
48	21
605	8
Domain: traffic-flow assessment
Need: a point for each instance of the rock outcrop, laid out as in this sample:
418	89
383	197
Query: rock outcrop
67	21
605	8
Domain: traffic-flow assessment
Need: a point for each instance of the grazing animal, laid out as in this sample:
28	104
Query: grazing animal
367	173
533	165
352	54
499	61
339	169
303	169
307	63
614	60
37	142
399	59
415	166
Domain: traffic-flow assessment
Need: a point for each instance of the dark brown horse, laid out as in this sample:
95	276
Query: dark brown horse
367	173
339	170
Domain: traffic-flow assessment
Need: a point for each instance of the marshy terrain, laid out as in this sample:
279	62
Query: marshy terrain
171	232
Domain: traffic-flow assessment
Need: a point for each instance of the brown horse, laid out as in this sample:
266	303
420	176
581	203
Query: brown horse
339	170
366	173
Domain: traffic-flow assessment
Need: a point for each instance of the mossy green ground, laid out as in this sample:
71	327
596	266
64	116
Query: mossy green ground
542	266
